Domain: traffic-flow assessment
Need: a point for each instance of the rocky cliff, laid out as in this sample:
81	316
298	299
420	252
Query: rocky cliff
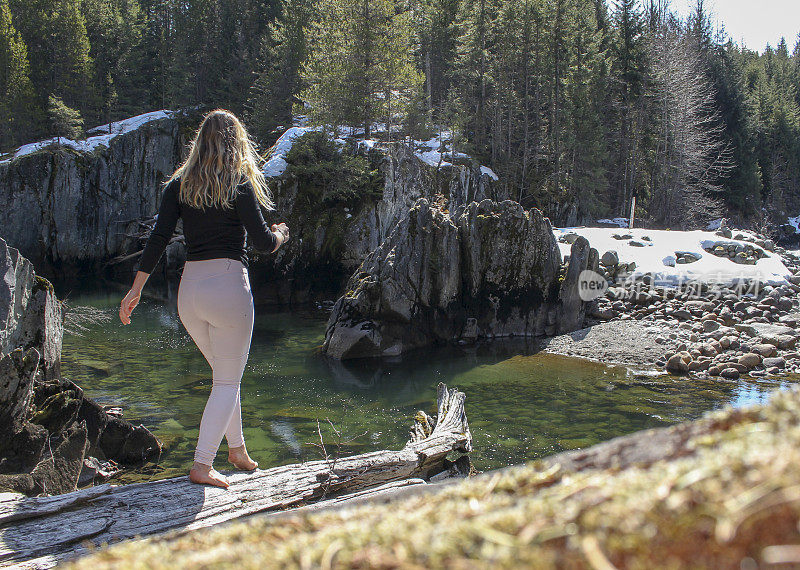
331	239
65	208
72	207
51	435
487	270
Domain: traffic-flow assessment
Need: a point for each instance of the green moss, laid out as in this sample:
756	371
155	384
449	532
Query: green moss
334	184
42	284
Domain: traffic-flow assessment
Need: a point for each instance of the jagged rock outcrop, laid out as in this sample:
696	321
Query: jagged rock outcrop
30	313
488	270
572	310
48	428
329	243
65	209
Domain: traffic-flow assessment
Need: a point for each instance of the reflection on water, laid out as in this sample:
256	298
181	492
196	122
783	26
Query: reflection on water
521	405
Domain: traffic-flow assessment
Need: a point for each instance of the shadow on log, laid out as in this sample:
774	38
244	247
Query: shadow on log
41	532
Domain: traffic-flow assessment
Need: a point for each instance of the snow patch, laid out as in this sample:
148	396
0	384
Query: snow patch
276	164
435	152
619	222
660	259
489	172
101	135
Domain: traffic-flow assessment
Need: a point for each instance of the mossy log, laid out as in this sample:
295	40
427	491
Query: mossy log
40	532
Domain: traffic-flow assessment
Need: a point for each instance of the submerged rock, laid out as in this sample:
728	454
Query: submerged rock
488	270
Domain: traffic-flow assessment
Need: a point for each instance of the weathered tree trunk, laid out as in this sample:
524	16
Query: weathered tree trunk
40	532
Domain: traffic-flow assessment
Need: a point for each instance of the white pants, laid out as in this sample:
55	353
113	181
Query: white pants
216	307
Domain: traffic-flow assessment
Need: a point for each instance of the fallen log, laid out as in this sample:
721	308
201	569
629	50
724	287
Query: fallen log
128	257
43	531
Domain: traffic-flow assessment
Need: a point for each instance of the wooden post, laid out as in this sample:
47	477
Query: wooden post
633	210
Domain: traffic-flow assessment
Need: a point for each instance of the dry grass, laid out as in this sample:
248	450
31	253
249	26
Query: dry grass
731	500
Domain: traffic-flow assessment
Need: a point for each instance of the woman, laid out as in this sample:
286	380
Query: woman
217	192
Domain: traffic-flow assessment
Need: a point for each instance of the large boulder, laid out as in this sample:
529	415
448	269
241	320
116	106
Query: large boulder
330	241
30	313
572	312
488	270
17	373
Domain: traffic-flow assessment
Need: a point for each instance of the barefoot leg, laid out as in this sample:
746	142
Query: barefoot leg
207	475
239	457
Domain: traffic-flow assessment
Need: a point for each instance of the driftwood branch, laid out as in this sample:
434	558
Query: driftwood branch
40	532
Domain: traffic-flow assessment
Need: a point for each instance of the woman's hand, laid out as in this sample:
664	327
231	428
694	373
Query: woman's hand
283	230
130	301
128	304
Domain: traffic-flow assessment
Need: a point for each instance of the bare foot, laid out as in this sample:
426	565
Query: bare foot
207	475
240	459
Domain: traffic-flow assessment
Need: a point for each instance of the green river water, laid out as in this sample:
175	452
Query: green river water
521	405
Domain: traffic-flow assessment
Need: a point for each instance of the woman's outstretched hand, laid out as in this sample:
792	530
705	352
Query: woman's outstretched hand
283	230
128	304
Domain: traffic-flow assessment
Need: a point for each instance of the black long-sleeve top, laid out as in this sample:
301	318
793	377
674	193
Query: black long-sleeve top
211	233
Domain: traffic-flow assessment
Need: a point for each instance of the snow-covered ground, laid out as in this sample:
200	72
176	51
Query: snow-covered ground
657	256
436	151
98	136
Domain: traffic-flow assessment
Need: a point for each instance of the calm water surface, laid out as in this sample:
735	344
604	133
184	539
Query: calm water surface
520	405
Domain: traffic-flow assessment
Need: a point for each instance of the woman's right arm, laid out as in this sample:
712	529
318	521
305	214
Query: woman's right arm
168	214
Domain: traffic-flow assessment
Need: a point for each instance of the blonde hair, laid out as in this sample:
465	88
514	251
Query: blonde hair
221	157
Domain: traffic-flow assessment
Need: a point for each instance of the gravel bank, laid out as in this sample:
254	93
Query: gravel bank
631	343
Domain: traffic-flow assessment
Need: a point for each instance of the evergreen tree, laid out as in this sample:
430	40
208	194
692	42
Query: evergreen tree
18	113
114	29
65	122
58	49
471	70
435	25
360	69
276	89
629	68
585	148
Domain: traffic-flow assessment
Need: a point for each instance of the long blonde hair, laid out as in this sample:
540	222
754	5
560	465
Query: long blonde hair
221	157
